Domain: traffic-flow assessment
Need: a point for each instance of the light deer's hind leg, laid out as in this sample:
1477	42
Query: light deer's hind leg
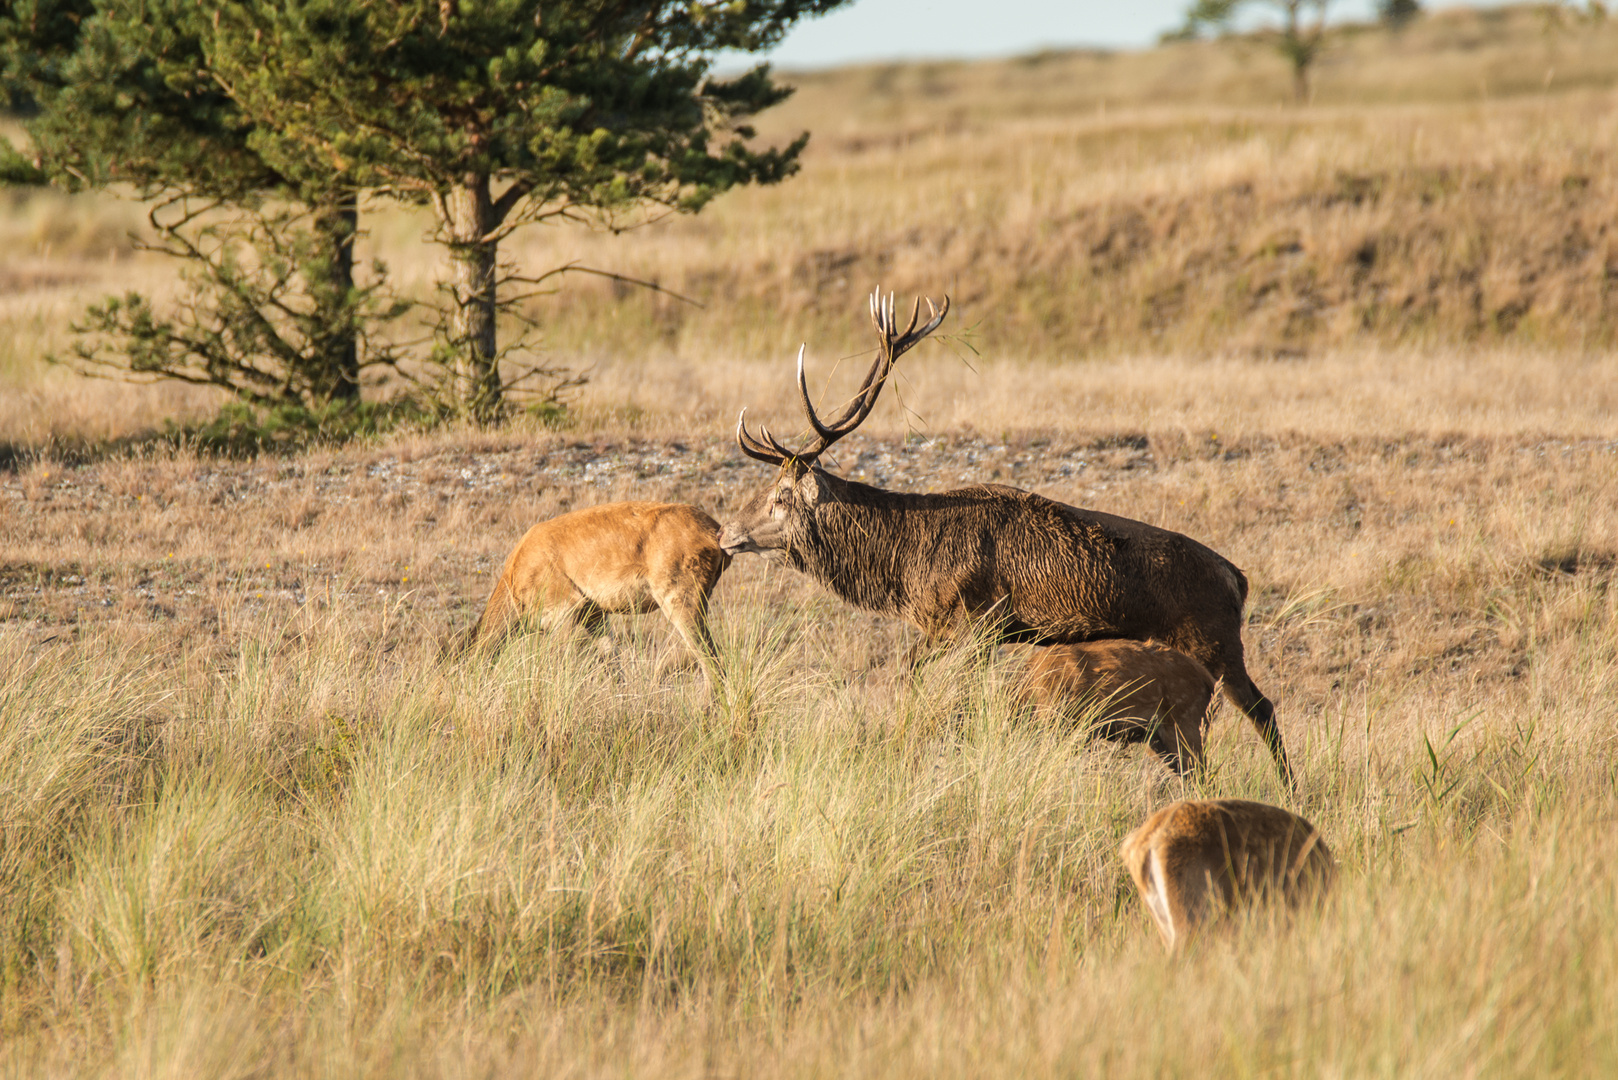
499	616
592	619
566	610
681	589
689	616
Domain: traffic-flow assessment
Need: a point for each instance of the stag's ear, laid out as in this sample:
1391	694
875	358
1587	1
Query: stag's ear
809	487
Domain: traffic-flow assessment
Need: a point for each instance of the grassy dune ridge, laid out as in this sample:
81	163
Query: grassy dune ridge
1452	185
250	826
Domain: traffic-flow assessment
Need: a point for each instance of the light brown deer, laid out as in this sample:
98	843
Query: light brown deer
630	557
1125	691
1024	567
1194	860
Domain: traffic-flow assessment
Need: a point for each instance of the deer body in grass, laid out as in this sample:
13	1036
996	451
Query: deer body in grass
574	570
1125	691
991	557
1193	860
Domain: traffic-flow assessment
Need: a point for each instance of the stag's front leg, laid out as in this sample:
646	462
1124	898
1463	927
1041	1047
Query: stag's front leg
924	649
950	626
921	650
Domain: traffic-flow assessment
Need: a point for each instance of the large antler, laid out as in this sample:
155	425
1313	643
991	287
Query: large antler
891	345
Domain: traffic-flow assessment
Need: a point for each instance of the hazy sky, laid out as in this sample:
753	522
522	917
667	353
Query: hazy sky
888	29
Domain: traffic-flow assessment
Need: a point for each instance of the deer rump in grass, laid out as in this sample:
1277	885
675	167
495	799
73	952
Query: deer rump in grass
1196	859
990	558
1125	691
630	557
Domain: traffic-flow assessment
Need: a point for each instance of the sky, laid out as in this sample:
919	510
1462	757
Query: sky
869	30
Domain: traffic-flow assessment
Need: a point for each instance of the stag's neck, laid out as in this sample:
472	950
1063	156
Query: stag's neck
865	544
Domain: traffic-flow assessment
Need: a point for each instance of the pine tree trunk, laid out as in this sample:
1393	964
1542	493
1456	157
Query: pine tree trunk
339	347
472	219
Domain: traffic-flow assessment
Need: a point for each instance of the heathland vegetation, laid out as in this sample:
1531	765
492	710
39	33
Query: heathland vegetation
1364	347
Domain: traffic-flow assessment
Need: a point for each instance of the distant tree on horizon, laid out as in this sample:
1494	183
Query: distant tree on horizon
1398	13
1300	38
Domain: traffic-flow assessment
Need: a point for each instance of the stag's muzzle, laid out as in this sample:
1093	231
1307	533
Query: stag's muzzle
735	540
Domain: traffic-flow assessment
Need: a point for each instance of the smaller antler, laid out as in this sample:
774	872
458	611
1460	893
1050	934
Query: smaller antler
767	449
890	347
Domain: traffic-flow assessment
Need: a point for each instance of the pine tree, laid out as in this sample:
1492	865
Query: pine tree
500	113
124	94
1398	14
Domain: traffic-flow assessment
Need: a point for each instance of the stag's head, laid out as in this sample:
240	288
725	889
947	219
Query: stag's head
775	518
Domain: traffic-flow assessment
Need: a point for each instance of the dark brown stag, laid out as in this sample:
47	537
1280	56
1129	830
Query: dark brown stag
1025	567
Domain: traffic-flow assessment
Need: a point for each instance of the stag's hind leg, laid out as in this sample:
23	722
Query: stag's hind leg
1223	659
1246	696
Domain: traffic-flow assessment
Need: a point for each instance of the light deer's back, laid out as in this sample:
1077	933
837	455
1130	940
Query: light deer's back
617	555
1195	857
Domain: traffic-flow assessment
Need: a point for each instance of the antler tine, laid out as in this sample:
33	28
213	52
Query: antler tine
826	435
830	433
882	316
915	313
912	335
784	451
753	448
882	311
744	439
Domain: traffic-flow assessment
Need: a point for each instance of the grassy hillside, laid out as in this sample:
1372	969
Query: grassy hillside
1452	186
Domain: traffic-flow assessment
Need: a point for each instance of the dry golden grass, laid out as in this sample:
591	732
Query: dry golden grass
250	827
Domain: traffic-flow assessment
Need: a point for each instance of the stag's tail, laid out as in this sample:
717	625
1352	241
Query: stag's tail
1239	578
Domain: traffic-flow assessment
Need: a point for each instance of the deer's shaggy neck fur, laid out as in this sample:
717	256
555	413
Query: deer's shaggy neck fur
875	548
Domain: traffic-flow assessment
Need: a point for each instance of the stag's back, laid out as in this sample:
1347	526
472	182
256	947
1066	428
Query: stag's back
1078	574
